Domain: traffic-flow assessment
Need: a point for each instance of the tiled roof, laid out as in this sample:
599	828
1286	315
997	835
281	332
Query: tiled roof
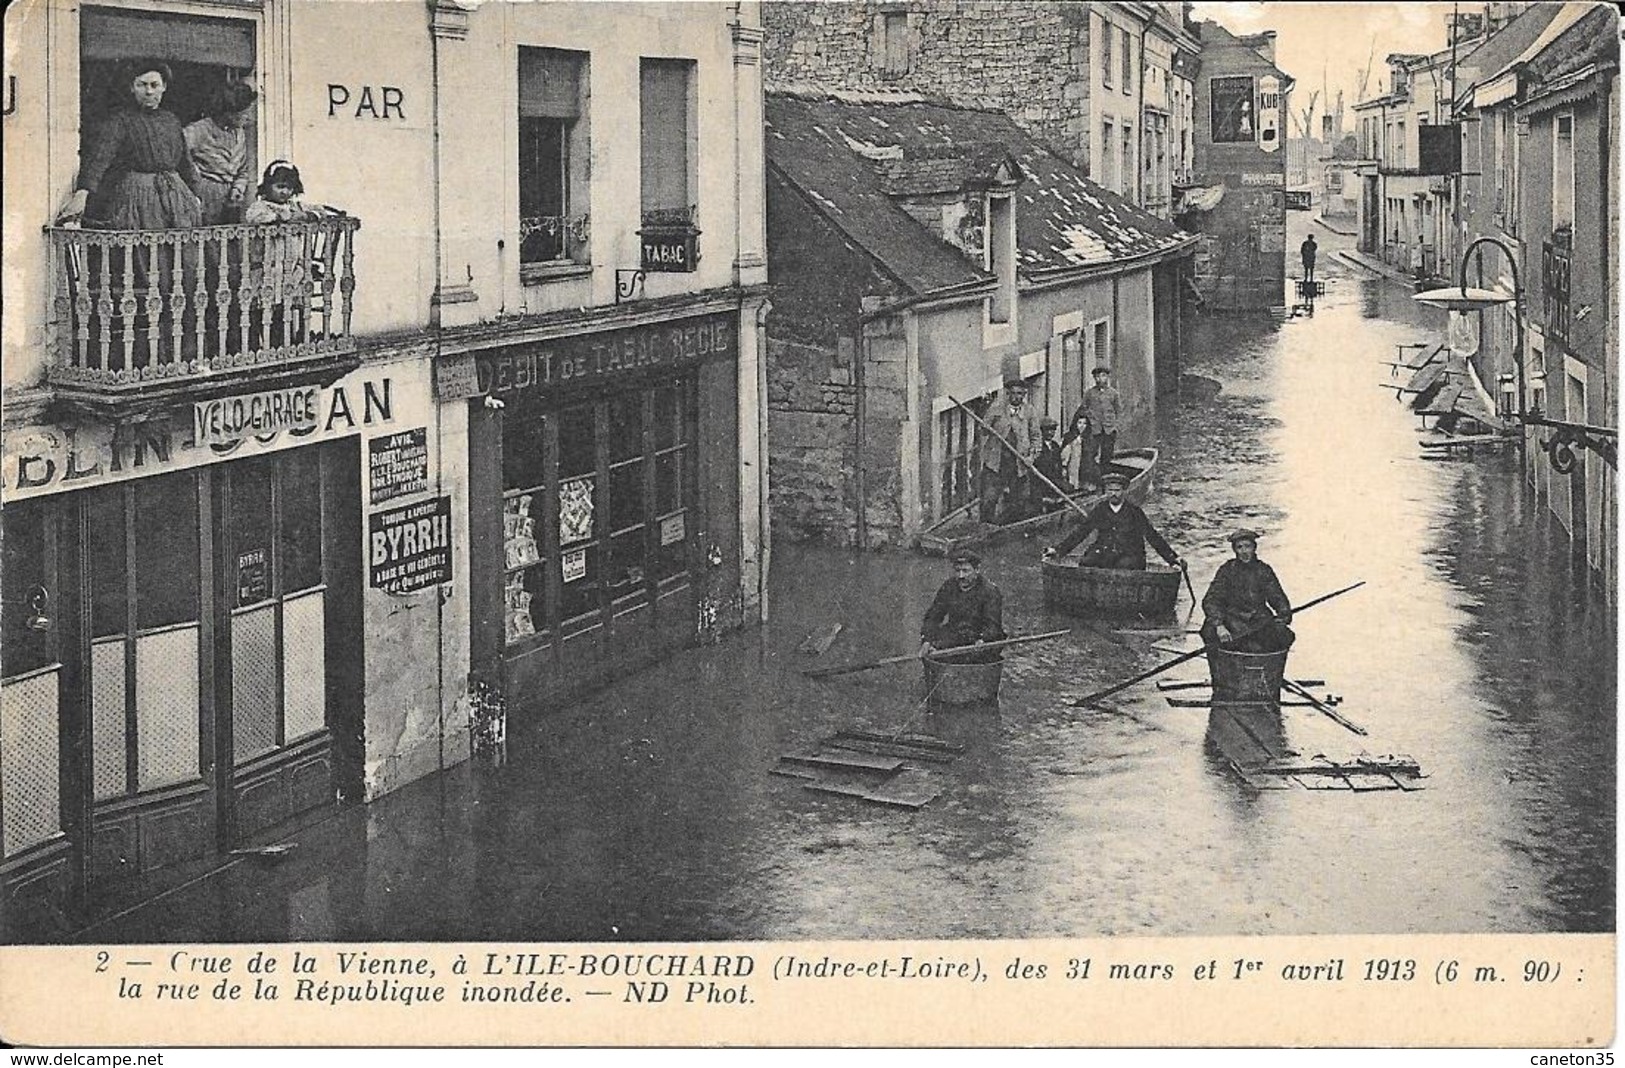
1592	39
853	154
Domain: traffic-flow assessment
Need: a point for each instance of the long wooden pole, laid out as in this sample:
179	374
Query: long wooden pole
1003	643
1321	706
1078	702
1076	507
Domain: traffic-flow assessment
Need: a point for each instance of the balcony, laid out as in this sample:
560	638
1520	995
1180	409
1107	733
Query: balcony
141	316
1556	263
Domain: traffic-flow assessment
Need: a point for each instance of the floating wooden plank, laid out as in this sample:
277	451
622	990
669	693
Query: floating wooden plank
920	741
818	642
910	796
1317	782
1166	685
1201	702
791	771
843	789
1361	765
1368	781
907	752
1259	782
909	789
848	760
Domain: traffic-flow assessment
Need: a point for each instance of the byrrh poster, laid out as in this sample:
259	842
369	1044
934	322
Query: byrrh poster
1083	577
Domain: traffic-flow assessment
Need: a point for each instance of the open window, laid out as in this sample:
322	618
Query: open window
204	54
554	155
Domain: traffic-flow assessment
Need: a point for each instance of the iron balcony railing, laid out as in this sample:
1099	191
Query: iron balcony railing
132	307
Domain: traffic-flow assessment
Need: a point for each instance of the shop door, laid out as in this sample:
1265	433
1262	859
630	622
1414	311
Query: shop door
146	676
598	536
271	656
31	686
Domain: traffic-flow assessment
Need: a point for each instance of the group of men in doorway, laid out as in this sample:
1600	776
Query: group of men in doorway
1007	489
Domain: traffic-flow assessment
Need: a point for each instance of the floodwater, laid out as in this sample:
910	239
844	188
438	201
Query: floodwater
648	811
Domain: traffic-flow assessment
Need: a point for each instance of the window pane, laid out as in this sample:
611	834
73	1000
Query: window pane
526	581
526	608
522	436
626	564
672	557
250	525
626	496
581	590
668	417
626	426
108	574
543	189
669	488
23	574
166	552
301	534
578	446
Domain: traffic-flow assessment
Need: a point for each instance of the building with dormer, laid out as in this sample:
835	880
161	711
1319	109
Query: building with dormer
922	253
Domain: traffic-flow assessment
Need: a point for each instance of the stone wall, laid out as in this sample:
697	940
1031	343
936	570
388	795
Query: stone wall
1028	60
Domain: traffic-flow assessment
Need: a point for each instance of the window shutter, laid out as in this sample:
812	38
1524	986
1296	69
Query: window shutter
664	89
549	83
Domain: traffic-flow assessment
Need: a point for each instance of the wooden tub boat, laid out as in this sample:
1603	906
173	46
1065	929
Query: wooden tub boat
964	529
1254	677
962	684
1099	591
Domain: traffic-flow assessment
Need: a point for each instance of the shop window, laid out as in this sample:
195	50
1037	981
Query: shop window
166	551
618	472
554	153
26	579
669	159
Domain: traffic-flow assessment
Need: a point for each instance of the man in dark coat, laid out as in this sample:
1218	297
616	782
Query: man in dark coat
1050	465
1122	529
967	610
1245	598
1307	250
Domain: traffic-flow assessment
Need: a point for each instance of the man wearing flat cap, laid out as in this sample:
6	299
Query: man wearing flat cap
967	610
1049	464
1096	422
1245	610
1121	530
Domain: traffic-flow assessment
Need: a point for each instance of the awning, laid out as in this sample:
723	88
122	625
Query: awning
1199	198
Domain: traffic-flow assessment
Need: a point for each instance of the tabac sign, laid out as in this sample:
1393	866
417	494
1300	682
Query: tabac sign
590	358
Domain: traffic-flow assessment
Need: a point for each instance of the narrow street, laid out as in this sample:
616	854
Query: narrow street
649	810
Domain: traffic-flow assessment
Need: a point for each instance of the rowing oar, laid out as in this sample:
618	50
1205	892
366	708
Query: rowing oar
1322	706
1184	569
1078	702
1005	643
1028	464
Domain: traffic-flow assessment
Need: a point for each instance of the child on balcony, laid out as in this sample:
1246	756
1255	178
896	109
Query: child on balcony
277	198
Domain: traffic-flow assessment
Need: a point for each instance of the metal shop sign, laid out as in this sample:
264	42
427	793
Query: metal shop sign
588	358
1263	178
254	414
398	465
410	548
673	251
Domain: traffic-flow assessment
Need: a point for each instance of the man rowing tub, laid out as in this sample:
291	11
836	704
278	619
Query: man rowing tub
967	610
1245	598
1123	530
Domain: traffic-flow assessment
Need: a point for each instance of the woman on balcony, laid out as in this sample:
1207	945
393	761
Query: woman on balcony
137	164
218	145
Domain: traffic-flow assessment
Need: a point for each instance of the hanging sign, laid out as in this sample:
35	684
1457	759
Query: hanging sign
671	529
410	548
398	464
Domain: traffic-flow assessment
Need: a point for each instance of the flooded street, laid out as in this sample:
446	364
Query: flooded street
648	812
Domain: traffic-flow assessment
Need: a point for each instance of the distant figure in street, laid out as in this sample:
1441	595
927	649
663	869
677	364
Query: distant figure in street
1003	479
1099	416
1050	465
967	610
1308	250
1245	610
1121	530
1419	258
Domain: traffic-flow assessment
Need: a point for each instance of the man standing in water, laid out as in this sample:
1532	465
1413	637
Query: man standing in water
967	610
1308	251
1245	610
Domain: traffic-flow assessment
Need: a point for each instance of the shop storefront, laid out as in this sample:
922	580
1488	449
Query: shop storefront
183	634
603	501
